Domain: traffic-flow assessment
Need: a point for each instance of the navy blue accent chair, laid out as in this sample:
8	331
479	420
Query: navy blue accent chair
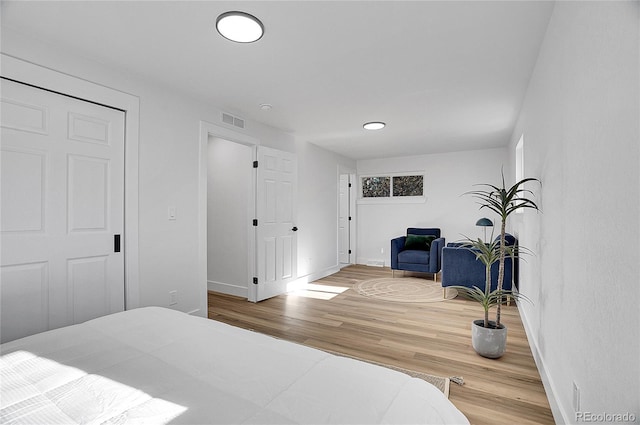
425	261
461	268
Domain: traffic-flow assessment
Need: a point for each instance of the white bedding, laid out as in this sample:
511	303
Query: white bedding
153	366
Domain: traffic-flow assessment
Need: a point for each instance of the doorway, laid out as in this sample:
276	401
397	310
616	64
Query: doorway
229	206
277	170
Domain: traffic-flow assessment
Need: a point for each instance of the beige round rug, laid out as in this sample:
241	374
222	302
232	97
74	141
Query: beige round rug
404	289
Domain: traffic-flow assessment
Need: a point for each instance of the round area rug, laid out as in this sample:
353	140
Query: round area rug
404	289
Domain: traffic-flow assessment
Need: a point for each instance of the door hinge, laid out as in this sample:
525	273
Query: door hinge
255	164
255	280
349	184
349	218
116	243
255	221
349	251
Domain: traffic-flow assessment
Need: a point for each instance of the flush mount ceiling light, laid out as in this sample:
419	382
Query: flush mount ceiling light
374	125
239	27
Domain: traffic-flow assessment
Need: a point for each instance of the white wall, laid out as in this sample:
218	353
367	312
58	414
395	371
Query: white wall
168	176
580	124
447	177
318	178
229	192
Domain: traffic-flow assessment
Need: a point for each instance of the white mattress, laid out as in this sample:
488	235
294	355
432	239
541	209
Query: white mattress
154	366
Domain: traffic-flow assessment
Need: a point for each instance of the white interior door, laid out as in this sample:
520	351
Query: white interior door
344	248
62	194
276	241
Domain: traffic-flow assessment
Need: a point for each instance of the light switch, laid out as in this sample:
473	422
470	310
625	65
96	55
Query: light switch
172	213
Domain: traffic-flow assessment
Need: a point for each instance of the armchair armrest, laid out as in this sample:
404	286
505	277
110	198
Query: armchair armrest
435	254
397	245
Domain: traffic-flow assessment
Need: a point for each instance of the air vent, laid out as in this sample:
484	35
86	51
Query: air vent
227	119
238	122
231	120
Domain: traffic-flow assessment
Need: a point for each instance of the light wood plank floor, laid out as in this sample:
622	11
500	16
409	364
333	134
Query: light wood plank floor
427	337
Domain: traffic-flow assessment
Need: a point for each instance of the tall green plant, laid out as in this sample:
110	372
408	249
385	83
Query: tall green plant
488	254
504	202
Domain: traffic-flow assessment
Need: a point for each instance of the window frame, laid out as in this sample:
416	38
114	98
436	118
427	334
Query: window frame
391	199
519	165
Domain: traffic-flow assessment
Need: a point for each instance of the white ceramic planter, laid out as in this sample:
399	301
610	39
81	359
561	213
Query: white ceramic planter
488	342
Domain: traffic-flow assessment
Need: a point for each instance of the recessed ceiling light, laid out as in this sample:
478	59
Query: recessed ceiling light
374	125
240	27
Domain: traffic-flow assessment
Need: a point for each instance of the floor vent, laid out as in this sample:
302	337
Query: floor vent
231	120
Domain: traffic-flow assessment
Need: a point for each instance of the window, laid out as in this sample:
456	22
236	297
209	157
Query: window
376	187
520	159
407	185
520	164
390	187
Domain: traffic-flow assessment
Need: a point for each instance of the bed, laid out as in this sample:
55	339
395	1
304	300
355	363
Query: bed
154	365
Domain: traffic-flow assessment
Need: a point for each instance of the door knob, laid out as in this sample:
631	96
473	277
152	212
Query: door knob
295	229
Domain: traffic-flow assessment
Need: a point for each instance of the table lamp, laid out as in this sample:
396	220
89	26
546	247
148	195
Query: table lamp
484	222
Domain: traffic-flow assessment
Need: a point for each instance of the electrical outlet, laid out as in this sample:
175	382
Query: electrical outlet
173	297
576	398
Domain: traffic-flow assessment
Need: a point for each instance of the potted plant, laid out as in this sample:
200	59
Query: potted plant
489	337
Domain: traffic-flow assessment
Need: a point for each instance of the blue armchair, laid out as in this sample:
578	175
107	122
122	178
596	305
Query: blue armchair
419	251
460	267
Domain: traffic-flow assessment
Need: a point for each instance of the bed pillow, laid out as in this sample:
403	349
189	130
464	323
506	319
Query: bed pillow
419	242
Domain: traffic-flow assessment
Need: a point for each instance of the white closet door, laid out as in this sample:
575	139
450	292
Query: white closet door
62	194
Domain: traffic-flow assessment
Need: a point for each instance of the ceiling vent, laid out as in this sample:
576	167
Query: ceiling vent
231	120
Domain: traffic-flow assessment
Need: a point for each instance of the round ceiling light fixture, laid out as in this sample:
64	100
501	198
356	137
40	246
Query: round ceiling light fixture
374	125
240	27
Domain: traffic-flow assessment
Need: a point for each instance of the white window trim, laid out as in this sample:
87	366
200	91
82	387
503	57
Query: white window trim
519	165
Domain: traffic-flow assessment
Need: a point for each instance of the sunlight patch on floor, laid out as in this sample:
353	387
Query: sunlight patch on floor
325	288
319	292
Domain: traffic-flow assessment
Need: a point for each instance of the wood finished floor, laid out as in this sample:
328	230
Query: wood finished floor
428	337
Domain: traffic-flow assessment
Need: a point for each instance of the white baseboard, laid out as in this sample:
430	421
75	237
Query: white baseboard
320	274
227	288
560	415
373	262
241	291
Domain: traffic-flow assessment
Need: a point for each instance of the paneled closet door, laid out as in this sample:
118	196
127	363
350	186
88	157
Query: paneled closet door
62	205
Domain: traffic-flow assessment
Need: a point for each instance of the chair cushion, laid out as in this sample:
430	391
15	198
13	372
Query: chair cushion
413	256
419	242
